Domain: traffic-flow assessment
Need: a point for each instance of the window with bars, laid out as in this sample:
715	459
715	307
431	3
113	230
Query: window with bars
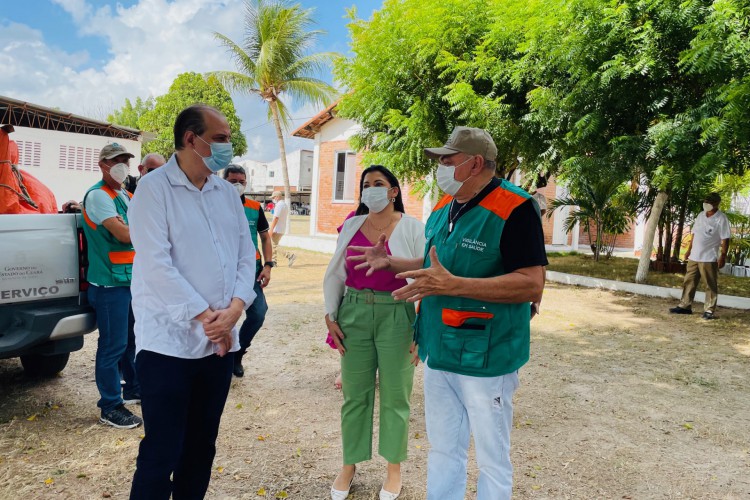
79	158
29	154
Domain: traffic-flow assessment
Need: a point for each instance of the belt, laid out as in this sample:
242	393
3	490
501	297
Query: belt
367	296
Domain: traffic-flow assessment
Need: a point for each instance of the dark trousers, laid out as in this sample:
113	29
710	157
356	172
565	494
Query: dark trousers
182	402
131	389
254	318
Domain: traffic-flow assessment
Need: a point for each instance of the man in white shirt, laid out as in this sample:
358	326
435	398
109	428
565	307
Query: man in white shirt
192	277
710	231
278	226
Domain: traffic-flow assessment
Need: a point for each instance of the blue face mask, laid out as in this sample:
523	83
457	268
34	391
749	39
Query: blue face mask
221	155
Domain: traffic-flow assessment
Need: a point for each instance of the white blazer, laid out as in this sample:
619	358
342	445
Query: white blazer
406	241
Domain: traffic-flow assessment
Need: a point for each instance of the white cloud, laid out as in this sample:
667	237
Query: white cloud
149	44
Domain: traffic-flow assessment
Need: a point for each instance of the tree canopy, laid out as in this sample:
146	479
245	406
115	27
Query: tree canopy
158	115
130	114
635	85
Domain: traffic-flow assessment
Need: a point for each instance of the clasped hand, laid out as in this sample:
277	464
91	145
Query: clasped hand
218	326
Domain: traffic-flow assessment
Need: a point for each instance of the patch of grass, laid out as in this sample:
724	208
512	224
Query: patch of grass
692	379
623	269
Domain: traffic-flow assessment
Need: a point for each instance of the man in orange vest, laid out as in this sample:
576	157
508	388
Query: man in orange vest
110	254
255	315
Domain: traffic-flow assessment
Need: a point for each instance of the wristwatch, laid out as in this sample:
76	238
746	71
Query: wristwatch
269	264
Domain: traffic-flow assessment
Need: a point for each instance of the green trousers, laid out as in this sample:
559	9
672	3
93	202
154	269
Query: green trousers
378	333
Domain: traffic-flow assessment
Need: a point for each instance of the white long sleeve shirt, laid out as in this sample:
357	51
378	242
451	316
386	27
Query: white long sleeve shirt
193	251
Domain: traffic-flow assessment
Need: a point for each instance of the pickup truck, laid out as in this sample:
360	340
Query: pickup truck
44	313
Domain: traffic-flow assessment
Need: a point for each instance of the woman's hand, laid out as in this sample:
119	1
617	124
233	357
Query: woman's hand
373	258
336	334
414	351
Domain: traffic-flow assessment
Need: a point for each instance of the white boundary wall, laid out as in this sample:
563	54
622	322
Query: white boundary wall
66	162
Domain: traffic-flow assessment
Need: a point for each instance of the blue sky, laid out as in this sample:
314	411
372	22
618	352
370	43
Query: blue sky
87	56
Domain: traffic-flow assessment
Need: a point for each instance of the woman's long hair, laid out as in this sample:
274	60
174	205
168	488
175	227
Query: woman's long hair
398	204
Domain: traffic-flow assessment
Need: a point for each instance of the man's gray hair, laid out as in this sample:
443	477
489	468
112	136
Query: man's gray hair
154	156
490	164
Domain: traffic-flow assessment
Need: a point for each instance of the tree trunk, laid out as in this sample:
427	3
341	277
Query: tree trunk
648	237
668	237
660	241
284	169
666	218
598	248
681	224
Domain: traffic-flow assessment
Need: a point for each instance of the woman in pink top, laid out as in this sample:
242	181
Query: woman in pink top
372	331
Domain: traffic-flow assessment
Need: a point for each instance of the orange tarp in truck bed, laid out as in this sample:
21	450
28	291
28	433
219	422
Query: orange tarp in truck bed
12	196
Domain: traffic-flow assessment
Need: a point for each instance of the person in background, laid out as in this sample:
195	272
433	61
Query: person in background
110	255
372	331
278	227
706	254
255	315
192	278
540	199
483	266
150	162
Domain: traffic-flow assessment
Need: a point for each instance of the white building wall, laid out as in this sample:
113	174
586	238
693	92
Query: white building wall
265	175
315	193
256	175
66	162
339	129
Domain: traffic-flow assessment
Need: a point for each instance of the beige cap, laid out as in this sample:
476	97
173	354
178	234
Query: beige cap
277	193
113	150
472	141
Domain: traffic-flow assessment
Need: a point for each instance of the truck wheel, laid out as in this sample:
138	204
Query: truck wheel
38	365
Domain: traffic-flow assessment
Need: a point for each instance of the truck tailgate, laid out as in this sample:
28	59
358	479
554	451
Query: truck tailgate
38	257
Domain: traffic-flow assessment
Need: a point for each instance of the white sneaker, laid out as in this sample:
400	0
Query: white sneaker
292	258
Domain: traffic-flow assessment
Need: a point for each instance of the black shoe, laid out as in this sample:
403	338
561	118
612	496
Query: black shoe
681	310
238	370
709	315
132	399
121	418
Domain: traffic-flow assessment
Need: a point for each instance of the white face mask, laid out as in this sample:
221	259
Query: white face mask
119	172
708	207
376	198
446	180
239	187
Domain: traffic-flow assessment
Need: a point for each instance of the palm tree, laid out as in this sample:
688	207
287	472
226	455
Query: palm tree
272	62
603	207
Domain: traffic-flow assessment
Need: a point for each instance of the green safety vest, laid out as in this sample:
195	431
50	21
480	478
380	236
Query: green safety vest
252	213
110	261
468	336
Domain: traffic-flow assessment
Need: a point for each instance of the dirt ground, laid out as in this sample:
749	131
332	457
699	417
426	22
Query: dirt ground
619	400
